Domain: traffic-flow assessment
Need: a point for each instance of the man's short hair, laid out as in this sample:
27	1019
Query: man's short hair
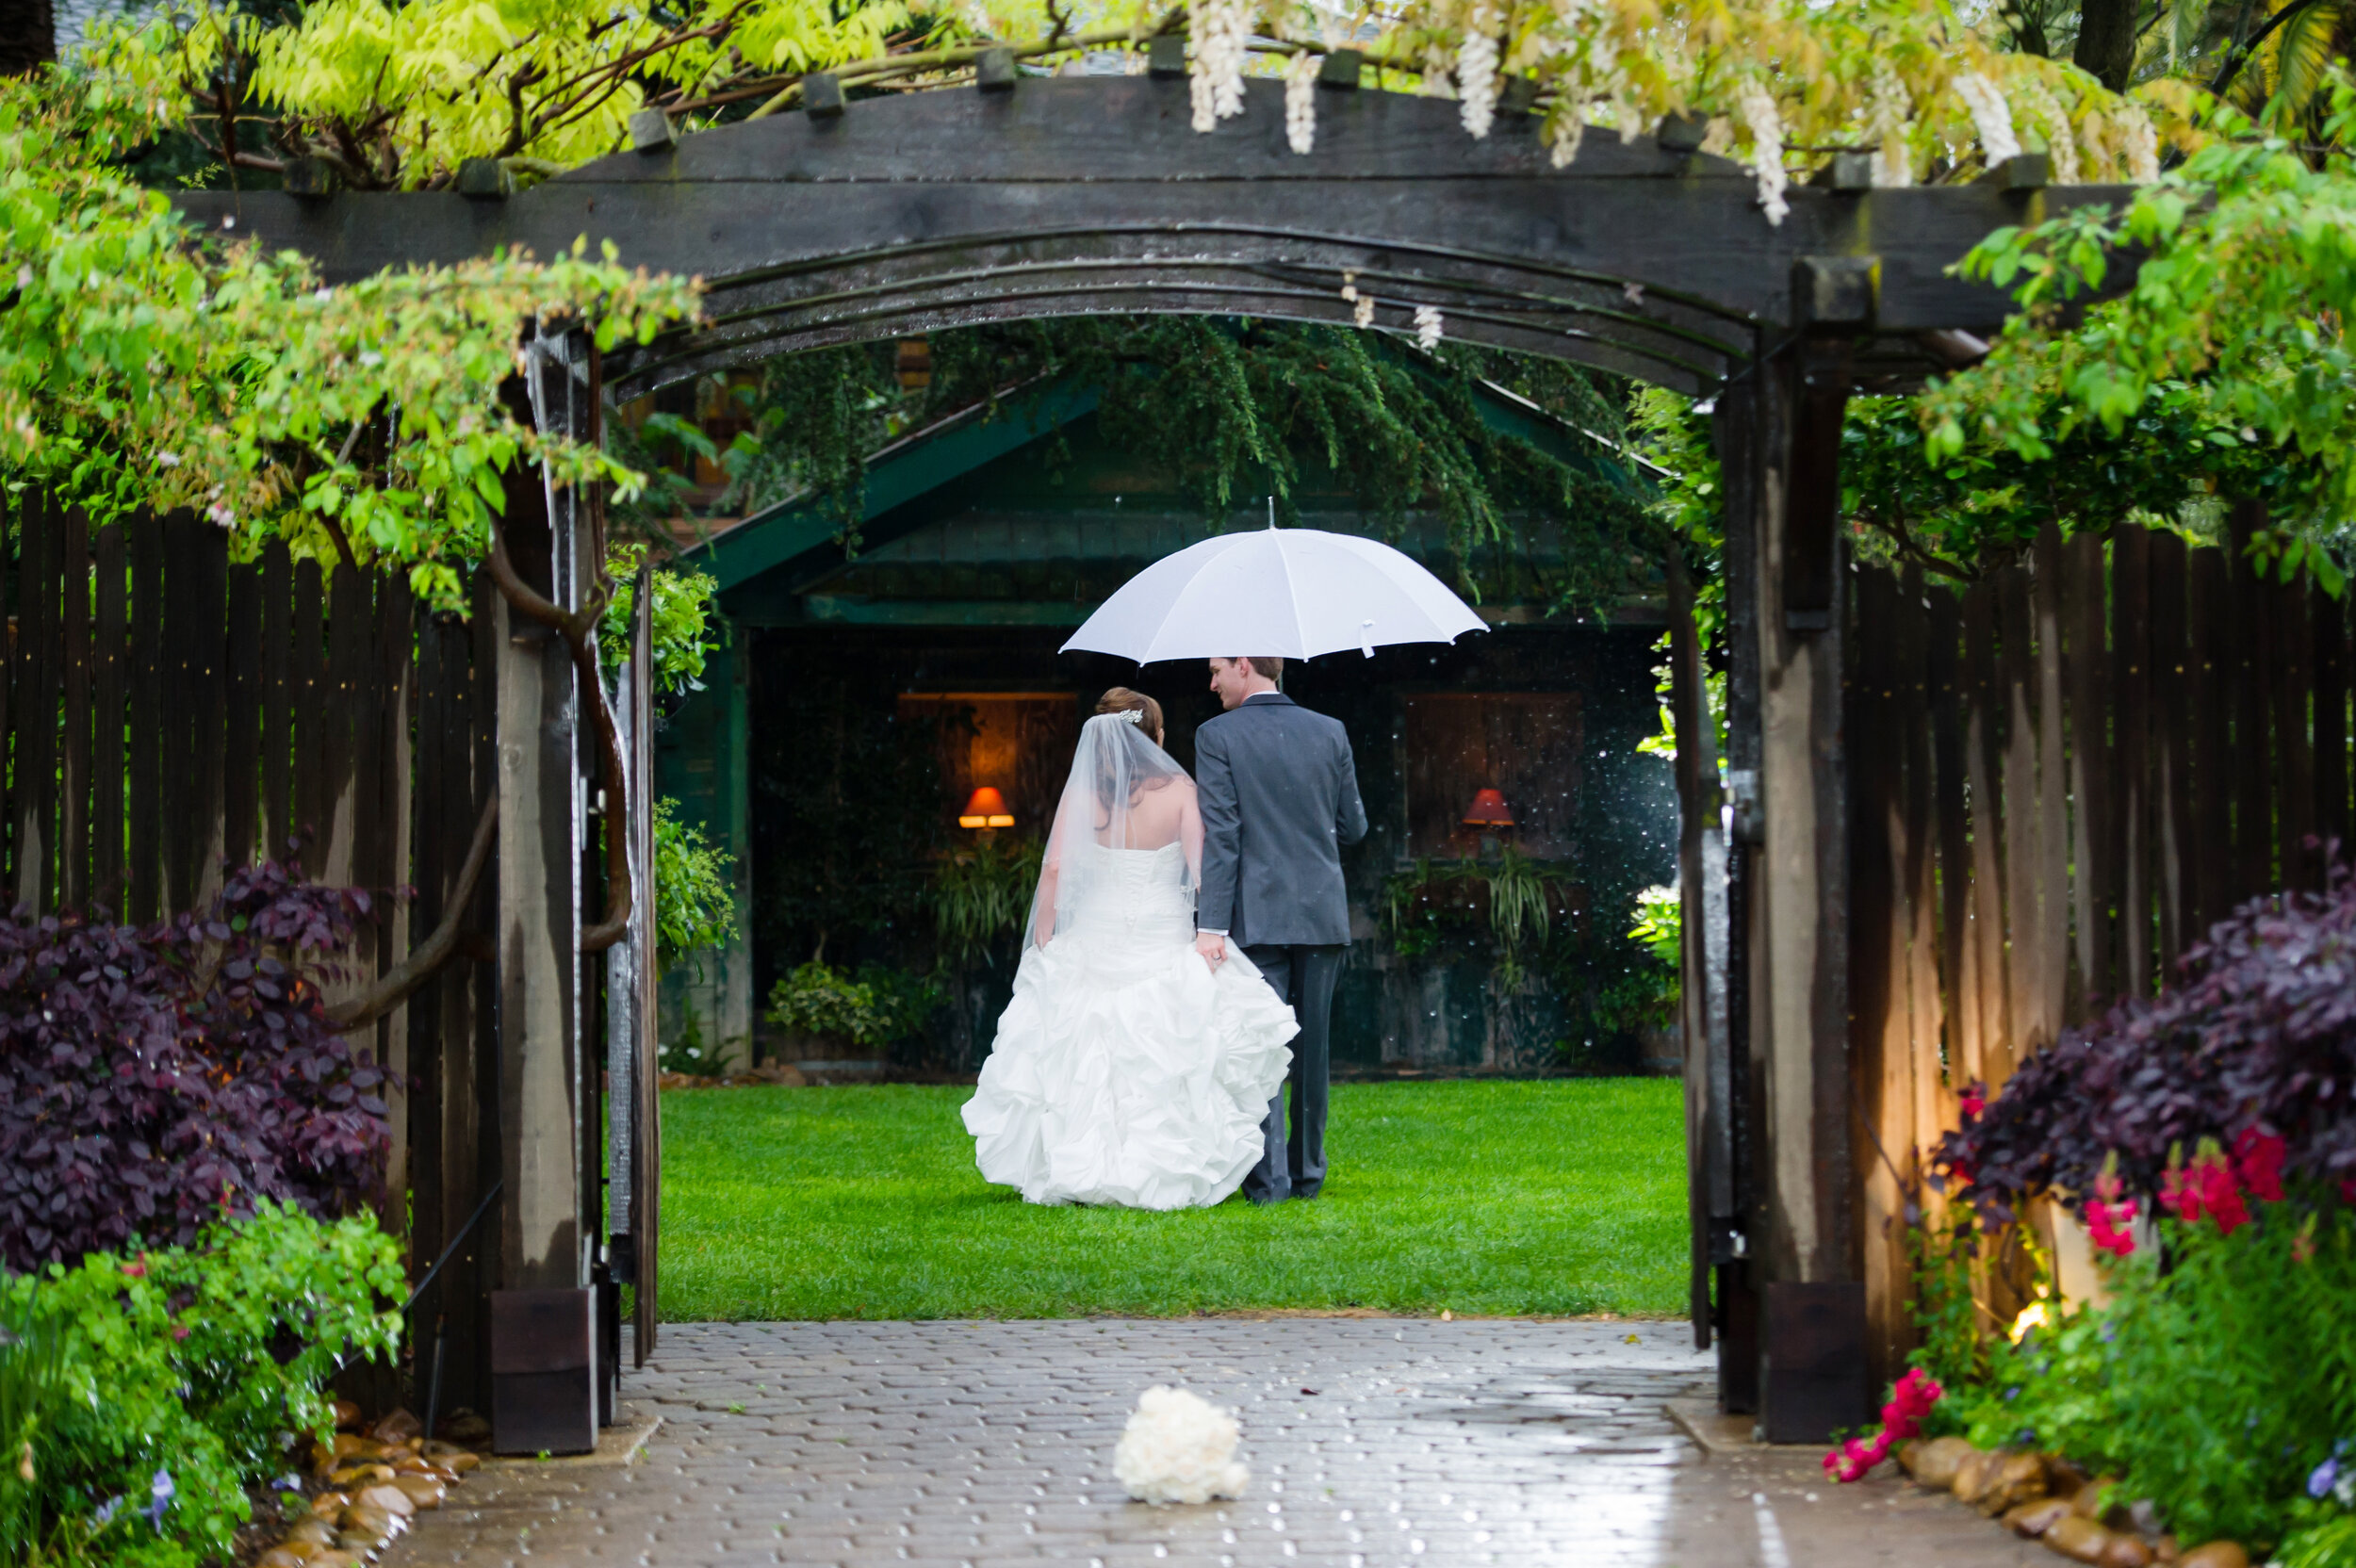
1271	669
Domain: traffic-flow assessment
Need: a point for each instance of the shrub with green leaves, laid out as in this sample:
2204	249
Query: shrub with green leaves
2215	1380
874	1008
178	1379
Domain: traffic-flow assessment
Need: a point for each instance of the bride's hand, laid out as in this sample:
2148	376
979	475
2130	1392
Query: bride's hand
1213	947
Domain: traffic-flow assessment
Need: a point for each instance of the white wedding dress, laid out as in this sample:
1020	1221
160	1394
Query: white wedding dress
1126	1070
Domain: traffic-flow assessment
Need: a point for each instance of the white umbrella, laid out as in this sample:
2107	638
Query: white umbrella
1293	593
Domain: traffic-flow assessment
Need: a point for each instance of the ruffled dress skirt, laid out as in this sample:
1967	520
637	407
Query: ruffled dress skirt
1126	1073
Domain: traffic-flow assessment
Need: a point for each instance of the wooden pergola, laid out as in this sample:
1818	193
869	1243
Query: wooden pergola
1023	197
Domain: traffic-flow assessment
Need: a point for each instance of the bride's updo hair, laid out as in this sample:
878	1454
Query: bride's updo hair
1120	699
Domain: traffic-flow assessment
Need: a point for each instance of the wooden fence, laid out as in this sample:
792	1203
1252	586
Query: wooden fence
166	711
2058	780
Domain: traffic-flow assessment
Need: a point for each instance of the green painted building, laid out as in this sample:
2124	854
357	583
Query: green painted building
867	693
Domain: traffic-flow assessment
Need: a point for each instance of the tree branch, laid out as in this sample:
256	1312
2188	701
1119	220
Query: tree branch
577	627
2248	47
397	984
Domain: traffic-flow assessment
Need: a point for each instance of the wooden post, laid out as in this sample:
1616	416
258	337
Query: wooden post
543	1370
1813	1342
1736	433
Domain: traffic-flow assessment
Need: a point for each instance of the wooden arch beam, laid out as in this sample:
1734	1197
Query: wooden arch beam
904	200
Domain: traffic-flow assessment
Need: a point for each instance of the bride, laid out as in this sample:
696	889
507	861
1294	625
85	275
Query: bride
1126	1069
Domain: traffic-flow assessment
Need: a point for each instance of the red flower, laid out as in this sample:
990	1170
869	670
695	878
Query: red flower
135	1270
2206	1186
1974	1100
2259	1156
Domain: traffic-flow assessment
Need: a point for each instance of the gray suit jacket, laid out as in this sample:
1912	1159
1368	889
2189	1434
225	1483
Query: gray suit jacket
1279	795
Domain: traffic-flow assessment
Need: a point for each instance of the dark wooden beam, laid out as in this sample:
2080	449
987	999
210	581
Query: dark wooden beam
916	199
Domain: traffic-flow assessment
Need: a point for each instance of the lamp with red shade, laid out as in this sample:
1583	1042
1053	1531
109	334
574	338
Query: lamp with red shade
1488	809
987	809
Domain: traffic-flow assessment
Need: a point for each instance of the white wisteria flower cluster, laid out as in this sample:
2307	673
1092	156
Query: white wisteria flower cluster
1300	102
1221	30
1178	1447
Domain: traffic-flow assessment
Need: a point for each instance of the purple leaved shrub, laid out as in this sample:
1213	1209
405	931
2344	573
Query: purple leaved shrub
154	1081
2258	1032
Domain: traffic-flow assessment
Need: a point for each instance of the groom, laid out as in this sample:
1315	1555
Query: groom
1279	797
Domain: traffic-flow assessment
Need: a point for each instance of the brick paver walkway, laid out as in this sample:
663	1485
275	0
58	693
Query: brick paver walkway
1374	1442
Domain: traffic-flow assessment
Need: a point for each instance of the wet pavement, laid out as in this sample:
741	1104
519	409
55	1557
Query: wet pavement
1373	1442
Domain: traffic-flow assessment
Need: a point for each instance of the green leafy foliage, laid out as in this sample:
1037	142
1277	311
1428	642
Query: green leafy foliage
695	901
2329	1545
983	893
873	1009
1942	1251
2247	251
142	363
682	627
188	1364
33	1391
2214	1380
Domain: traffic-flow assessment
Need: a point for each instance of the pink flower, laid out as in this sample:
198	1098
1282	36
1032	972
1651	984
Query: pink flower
135	1270
1973	1100
1902	1418
179	1331
1909	1402
2259	1157
2111	1225
1855	1458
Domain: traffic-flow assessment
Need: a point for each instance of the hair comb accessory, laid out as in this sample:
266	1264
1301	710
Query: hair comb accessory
1131	715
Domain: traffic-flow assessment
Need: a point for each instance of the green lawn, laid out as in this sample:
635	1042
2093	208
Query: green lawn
1563	1197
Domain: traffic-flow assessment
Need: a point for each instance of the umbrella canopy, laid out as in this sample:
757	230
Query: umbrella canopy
1292	592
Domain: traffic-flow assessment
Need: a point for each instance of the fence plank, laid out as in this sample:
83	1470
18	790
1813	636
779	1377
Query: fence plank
2052	792
2086	662
2212	754
34	794
2131	797
1878	1027
278	805
1918	873
73	761
1984	955
2024	957
1945	668
109	663
2289	680
347	615
209	550
2174	878
306	684
179	732
2327	625
429	1230
241	776
145	876
2247	656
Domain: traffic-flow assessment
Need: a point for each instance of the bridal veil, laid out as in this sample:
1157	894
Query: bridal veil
1119	796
